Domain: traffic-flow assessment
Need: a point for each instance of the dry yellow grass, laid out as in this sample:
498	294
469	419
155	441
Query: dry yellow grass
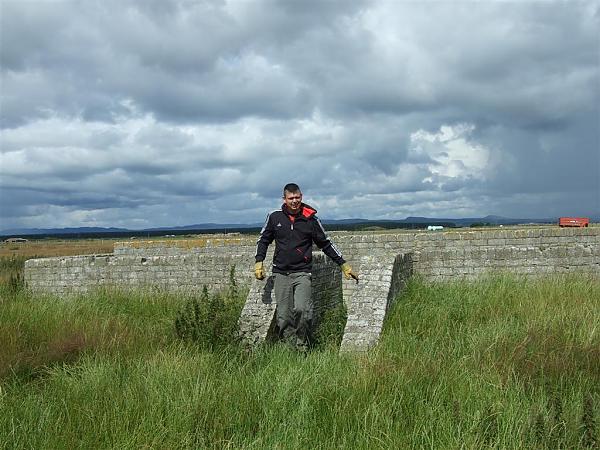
56	247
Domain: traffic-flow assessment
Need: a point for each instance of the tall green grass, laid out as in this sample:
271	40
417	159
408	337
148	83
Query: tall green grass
504	362
11	274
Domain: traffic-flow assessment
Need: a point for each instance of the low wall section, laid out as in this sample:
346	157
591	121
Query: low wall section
436	255
70	275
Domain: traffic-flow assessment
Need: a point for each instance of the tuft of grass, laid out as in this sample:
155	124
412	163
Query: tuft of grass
330	329
11	274
588	423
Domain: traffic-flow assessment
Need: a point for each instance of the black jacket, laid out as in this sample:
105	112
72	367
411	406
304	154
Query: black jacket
294	236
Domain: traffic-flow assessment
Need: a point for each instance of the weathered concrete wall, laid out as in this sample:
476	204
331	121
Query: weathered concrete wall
383	260
73	274
446	255
367	302
436	255
526	251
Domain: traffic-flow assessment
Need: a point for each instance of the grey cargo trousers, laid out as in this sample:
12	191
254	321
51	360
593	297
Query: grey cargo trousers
294	308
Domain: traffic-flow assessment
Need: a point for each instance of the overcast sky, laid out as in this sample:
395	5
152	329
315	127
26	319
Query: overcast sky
156	113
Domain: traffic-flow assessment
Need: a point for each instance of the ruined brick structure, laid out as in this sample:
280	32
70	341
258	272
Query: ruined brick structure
384	261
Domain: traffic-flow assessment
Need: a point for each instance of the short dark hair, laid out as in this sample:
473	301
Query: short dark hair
291	187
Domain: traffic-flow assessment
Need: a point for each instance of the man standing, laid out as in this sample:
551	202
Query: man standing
294	228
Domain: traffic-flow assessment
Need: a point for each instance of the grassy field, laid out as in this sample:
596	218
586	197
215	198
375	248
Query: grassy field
503	362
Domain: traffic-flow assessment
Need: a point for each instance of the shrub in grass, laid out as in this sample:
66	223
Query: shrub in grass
211	319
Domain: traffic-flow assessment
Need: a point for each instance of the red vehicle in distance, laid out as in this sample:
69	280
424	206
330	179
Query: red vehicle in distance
573	222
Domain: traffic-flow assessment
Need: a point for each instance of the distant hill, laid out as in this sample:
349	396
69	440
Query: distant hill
332	224
206	226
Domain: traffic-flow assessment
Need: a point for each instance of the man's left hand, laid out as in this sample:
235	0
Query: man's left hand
348	273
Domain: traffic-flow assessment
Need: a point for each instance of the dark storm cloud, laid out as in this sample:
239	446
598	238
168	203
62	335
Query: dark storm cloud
178	61
159	112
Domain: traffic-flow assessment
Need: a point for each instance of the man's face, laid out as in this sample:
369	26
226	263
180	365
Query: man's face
292	200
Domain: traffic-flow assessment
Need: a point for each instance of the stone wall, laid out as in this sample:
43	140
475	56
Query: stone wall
75	274
383	260
367	302
466	253
436	255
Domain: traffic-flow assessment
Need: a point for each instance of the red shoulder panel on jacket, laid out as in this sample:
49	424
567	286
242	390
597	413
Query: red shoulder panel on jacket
307	212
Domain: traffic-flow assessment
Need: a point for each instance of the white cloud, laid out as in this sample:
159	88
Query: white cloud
452	153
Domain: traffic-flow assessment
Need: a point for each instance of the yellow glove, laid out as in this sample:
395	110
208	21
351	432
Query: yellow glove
348	272
259	271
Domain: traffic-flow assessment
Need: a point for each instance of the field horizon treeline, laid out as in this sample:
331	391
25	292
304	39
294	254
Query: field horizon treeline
501	362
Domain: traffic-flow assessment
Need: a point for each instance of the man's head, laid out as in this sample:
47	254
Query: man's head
292	197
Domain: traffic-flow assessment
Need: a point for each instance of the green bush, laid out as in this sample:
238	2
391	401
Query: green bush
211	319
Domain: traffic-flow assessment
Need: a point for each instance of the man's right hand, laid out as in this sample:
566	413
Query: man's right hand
259	271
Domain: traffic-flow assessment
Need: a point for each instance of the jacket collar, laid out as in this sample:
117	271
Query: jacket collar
305	211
